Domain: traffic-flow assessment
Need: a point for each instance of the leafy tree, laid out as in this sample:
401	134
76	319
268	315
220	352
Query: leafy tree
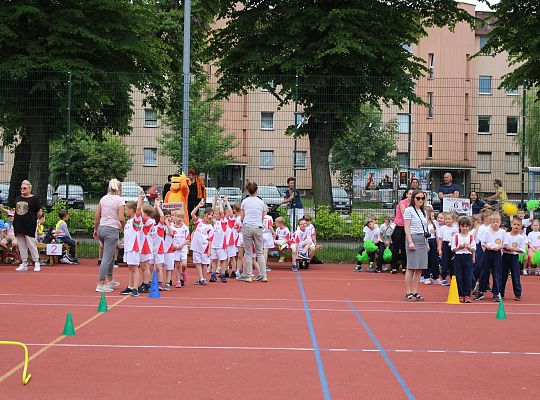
209	146
109	46
368	142
516	30
93	161
336	48
532	128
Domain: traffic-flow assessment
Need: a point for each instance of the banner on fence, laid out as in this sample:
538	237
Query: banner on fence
421	174
173	206
373	184
459	205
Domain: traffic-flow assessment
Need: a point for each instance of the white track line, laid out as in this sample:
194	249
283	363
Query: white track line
264	348
262	308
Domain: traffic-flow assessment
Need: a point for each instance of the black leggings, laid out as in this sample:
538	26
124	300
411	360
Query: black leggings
398	244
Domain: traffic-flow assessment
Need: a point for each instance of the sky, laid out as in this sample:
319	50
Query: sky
480	6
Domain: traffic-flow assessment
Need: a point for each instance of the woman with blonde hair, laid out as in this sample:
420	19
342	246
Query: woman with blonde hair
27	213
108	221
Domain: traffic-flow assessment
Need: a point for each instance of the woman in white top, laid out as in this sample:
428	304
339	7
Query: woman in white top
416	234
108	221
252	209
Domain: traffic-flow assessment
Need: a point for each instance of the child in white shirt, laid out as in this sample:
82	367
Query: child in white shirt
201	240
463	245
515	245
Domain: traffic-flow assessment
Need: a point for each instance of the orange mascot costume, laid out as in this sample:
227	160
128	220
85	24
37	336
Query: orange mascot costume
179	193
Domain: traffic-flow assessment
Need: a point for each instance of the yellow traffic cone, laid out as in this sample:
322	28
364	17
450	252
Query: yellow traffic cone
453	295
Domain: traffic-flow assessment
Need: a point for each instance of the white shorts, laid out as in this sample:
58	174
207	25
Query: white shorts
268	241
282	242
306	242
180	255
201	258
232	251
218	254
240	242
169	261
131	257
147	258
159	258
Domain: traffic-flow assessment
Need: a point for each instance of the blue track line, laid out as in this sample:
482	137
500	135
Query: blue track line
318	358
381	350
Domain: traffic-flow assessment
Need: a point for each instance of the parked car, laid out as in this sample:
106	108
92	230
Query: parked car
233	193
341	200
130	192
75	197
271	196
211	192
4	192
50	197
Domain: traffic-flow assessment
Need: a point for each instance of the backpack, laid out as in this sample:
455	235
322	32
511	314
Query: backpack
49	236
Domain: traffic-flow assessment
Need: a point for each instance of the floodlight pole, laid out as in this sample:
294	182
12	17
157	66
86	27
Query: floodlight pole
523	119
187	81
68	147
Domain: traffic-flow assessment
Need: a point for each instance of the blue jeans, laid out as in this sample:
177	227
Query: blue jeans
510	263
71	243
492	263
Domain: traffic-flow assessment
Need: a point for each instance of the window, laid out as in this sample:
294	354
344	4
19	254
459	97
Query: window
150	157
431	65
512	92
483	162
403	123
403	159
266	159
483	41
511	161
150	118
300	160
430	104
267	120
430	145
484	84
1	154
511	125
298	119
483	123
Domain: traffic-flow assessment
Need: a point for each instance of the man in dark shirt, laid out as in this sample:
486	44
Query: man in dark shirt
292	198
448	189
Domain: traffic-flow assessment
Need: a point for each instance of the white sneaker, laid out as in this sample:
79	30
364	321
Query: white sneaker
22	267
65	260
37	267
103	289
113	284
437	281
427	281
422	279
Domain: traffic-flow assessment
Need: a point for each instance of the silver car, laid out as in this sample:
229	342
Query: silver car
233	193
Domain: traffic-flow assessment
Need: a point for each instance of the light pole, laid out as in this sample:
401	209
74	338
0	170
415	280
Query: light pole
187	81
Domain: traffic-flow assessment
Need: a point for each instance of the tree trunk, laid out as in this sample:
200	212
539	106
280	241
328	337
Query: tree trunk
320	143
19	171
38	136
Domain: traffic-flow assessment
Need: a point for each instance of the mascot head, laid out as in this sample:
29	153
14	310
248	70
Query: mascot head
178	181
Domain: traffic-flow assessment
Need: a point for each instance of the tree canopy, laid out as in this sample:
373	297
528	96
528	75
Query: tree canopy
516	29
110	47
347	53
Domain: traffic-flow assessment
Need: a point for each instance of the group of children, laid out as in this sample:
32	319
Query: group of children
471	249
158	240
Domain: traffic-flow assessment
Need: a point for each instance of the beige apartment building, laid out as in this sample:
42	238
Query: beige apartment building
468	127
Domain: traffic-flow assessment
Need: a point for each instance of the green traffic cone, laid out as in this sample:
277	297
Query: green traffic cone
501	314
68	326
102	307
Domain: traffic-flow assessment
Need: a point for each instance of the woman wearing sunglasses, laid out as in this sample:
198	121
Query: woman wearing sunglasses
416	234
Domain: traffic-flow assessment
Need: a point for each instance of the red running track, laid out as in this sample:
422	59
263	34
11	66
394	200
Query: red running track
262	341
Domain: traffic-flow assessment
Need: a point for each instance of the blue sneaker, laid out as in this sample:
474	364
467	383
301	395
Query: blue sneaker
213	277
445	283
223	278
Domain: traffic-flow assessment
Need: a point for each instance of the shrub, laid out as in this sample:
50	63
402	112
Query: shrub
329	224
80	221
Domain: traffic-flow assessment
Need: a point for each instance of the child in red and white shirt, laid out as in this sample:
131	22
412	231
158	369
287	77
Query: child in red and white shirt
131	244
145	246
158	241
218	255
201	240
168	265
180	244
239	239
301	243
268	235
232	236
282	237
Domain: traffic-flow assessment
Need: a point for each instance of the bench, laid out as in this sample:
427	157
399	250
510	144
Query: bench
287	253
42	249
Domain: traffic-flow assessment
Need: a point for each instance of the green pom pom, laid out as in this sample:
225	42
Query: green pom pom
387	255
536	258
363	258
533	205
521	258
369	246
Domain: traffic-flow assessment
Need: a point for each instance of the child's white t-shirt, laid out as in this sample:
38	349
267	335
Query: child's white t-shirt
268	222
181	236
534	238
283	234
158	238
480	234
311	230
445	233
386	232
515	242
494	238
131	234
372	234
201	236
220	236
460	239
433	229
145	239
301	236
